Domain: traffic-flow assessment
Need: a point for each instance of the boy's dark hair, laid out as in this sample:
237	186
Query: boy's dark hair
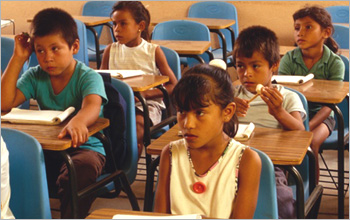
204	83
55	21
139	13
260	39
323	18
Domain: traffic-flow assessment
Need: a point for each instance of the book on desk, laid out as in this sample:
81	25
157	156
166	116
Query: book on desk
244	131
45	117
291	79
122	73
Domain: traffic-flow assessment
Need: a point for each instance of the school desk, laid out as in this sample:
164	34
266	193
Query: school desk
285	49
214	25
284	148
109	213
47	137
330	93
187	48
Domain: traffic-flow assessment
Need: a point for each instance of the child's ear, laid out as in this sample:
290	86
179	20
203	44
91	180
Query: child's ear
229	111
76	46
326	32
275	66
142	25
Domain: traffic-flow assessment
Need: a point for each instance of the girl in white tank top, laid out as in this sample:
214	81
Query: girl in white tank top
132	51
207	172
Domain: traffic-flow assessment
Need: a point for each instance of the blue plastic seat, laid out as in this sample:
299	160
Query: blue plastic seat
82	54
29	190
266	207
7	45
339	13
331	143
98	9
183	30
222	10
341	35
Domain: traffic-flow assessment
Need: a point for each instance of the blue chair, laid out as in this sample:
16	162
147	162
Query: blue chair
7	45
29	190
82	54
341	35
222	10
183	30
266	207
339	13
97	9
331	143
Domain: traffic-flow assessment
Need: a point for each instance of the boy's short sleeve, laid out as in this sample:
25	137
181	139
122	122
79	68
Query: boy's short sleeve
285	67
292	103
27	83
92	83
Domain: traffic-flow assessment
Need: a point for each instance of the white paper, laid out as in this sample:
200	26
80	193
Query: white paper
190	216
244	131
122	73
291	79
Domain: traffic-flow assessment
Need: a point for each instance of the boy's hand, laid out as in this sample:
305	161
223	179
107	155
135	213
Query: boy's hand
273	98
242	107
23	46
77	131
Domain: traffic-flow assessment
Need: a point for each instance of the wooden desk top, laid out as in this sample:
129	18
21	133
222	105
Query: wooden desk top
88	20
285	49
47	134
211	23
323	91
109	213
283	147
185	47
145	82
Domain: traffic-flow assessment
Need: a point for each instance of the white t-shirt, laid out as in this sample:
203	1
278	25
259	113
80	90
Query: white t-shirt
5	183
221	182
258	112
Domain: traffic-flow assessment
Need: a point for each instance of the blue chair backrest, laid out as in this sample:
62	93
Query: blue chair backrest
339	13
7	45
29	190
341	35
173	60
303	168
266	207
99	9
182	30
82	54
130	165
213	9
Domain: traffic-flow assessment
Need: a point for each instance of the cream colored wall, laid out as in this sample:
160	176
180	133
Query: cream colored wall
276	15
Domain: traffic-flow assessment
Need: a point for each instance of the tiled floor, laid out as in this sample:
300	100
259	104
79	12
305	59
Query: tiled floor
328	208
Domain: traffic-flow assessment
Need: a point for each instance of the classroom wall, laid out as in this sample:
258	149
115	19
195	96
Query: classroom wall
276	15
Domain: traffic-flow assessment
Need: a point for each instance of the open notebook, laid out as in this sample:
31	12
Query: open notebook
291	79
122	73
47	117
190	216
244	131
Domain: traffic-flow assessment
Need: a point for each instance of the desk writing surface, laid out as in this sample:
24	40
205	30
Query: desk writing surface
184	47
283	147
144	82
109	213
323	91
211	23
92	20
47	134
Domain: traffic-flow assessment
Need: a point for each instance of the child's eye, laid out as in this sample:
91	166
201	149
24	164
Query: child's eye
255	66
297	28
200	112
39	51
55	48
308	27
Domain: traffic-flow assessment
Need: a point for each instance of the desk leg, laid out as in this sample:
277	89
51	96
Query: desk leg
224	45
148	202
72	181
299	191
97	46
312	170
340	118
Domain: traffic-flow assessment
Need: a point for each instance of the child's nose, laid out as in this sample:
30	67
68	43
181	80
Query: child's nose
189	122
48	56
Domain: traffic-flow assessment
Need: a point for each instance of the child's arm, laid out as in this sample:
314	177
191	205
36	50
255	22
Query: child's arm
87	115
248	182
165	70
274	100
10	95
162	199
105	58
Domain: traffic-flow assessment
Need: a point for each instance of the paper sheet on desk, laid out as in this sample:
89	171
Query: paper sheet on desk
190	216
291	79
244	131
122	73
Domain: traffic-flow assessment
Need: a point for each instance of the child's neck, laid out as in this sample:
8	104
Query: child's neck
312	55
59	82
